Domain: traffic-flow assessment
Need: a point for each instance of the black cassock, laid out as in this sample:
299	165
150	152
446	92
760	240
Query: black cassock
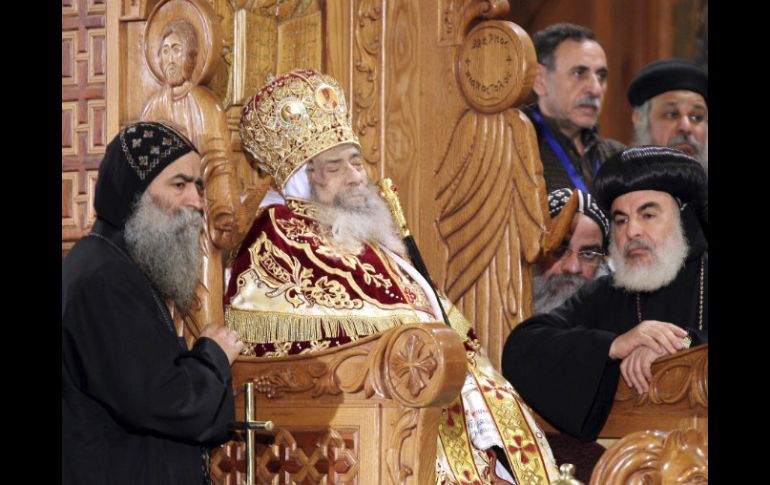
136	404
558	361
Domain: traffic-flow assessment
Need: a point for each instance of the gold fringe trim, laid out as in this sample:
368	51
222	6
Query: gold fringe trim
262	327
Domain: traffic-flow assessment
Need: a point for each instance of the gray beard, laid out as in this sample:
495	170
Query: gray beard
667	259
352	222
642	136
550	292
166	246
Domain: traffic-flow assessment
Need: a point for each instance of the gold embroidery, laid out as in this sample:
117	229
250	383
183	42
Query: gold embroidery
301	207
265	327
281	350
368	271
456	443
295	228
315	346
297	286
456	319
283	125
521	447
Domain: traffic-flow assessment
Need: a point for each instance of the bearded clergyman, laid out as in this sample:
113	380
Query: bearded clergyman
324	265
567	363
138	404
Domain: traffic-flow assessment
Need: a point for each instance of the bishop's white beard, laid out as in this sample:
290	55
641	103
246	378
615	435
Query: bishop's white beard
667	260
359	215
166	246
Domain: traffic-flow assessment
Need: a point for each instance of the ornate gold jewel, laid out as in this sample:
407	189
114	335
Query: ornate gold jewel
293	118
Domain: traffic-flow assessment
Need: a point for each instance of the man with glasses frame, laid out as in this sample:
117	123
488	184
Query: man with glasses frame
579	259
566	363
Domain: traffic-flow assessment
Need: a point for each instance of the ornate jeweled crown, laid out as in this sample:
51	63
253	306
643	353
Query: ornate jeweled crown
293	118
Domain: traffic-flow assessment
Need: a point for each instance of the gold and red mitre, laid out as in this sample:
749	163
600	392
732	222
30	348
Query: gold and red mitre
292	119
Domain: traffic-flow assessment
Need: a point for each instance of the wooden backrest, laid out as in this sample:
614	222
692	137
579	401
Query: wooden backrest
664	432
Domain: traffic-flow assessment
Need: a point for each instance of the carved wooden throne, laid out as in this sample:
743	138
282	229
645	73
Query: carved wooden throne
432	87
366	412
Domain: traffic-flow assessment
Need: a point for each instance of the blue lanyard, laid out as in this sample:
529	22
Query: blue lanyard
577	180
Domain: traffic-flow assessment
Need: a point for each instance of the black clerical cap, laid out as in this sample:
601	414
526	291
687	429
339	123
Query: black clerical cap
667	75
137	154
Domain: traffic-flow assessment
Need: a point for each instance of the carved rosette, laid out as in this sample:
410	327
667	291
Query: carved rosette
673	381
678	456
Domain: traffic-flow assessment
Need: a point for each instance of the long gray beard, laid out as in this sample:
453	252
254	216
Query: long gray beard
166	246
667	259
352	222
551	291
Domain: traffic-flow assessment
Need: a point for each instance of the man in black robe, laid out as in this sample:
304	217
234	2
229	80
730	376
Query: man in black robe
137	405
566	363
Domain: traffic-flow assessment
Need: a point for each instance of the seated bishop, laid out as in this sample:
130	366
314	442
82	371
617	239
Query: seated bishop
324	264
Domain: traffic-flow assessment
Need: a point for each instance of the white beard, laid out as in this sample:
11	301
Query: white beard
351	223
667	259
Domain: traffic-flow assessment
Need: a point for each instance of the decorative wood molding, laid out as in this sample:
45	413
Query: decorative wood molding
456	17
496	66
367	77
366	411
136	9
407	364
491	200
674	380
678	389
403	429
84	123
677	456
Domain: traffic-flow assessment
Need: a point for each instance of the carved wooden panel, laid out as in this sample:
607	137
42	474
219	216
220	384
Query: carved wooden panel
678	389
489	191
402	108
84	123
296	455
679	456
366	412
367	79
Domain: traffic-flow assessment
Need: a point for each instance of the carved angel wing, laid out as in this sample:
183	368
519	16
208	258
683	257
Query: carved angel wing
492	201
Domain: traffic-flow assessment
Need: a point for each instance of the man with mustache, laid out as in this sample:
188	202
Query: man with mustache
570	84
670	100
580	257
138	406
566	363
324	265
